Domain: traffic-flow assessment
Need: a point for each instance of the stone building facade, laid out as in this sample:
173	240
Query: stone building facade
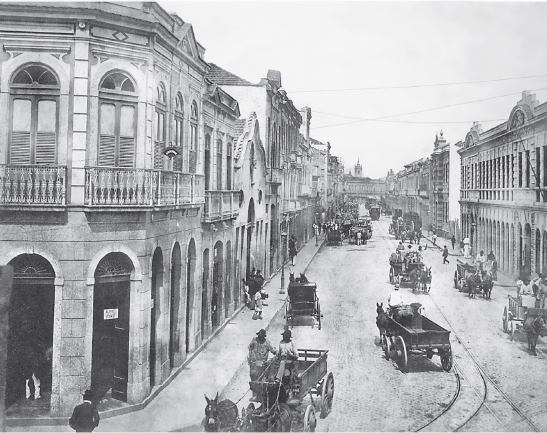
118	214
504	189
362	189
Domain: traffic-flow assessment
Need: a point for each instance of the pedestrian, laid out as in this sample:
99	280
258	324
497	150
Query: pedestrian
445	255
258	356
292	249
481	259
358	236
495	270
453	240
434	238
85	416
258	305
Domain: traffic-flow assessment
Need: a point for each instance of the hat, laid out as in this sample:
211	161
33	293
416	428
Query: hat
519	283
396	286
261	333
88	395
445	246
410	246
420	248
287	333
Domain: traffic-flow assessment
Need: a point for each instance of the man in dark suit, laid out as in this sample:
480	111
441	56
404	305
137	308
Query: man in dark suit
85	416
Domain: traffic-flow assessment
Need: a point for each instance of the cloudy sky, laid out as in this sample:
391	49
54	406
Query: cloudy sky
383	78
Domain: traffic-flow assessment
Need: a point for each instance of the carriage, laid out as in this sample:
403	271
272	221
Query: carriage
463	270
302	302
520	309
283	407
416	334
334	237
401	267
353	234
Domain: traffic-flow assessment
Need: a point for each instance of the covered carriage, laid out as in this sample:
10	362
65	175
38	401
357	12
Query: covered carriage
302	302
334	236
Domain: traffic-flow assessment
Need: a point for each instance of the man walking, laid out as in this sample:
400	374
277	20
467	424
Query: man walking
445	255
453	240
258	355
85	416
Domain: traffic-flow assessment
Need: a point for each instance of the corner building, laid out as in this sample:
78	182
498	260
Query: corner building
503	194
116	215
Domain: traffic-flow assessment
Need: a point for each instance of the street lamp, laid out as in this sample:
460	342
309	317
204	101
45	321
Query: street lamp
283	242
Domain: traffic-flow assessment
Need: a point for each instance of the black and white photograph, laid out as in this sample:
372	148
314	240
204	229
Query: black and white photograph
273	216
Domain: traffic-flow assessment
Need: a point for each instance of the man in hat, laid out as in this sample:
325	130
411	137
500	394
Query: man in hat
395	301
258	355
85	416
445	255
288	354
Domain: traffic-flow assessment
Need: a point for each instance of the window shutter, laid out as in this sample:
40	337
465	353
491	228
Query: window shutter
158	156
127	152
107	151
45	148
20	148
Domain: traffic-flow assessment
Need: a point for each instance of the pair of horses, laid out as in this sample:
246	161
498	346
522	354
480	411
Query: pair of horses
301	279
481	281
420	278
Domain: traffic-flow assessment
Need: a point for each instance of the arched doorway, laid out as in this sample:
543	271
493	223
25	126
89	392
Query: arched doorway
174	332
111	311
250	221
190	290
204	297
218	282
228	281
30	335
155	315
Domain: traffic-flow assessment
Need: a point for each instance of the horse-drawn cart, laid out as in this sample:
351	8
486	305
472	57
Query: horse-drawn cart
416	334
334	237
283	407
468	280
302	302
405	268
521	309
462	272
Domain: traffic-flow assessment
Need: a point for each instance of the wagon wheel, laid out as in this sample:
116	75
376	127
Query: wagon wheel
505	320
391	275
327	395
318	315
387	347
310	422
402	357
446	359
512	330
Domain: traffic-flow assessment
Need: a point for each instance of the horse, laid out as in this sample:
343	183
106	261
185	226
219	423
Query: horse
473	281
273	415
486	284
221	416
535	327
411	237
415	275
382	321
425	279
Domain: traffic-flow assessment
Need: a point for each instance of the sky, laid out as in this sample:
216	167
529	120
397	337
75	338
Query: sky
382	79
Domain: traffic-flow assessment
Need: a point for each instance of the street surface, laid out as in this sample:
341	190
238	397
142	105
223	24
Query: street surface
496	385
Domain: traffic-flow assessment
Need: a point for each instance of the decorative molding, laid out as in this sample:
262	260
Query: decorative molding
119	36
136	59
56	51
43	27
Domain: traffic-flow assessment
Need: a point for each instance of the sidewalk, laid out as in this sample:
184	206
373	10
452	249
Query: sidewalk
180	405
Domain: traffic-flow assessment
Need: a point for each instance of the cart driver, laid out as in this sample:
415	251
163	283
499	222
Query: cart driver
395	301
288	355
258	355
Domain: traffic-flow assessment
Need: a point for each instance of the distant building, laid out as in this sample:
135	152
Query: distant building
360	189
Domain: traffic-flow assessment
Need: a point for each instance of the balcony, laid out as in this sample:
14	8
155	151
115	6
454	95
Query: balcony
220	205
33	185
139	187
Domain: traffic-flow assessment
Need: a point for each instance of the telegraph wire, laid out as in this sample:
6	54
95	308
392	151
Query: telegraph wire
413	86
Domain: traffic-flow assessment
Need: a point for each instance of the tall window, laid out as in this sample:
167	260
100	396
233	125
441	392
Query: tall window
34	93
117	121
159	126
192	160
207	162
229	167
179	135
219	165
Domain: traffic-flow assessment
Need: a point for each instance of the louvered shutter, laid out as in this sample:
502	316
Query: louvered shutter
127	152
20	145
126	145
45	146
107	139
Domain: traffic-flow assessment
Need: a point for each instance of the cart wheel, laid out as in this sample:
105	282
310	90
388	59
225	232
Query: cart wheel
446	359
402	357
387	347
327	395
505	320
319	315
310	422
391	279
512	330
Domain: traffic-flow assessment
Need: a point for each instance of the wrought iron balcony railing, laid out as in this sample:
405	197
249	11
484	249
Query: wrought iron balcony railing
32	185
110	186
220	205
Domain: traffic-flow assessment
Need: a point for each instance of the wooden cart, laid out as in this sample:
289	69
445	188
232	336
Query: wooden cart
518	310
302	302
308	377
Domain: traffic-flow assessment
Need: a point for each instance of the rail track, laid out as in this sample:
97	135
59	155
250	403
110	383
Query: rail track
466	386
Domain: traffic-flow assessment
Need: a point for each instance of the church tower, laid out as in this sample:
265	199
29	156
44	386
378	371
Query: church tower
358	169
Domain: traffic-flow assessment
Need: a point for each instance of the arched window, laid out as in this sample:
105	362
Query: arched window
219	165
179	119
159	126
192	160
34	95
117	121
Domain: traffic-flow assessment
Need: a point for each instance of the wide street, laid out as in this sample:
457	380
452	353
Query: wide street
495	385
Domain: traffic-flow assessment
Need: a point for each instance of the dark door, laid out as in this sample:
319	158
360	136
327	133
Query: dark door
110	339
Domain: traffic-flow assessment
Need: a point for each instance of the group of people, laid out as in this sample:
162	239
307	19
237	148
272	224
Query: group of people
259	350
536	287
254	292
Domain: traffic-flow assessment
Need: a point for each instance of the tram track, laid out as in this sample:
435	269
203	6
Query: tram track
464	383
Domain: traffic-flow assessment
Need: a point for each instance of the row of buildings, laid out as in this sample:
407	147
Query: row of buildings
490	187
138	185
